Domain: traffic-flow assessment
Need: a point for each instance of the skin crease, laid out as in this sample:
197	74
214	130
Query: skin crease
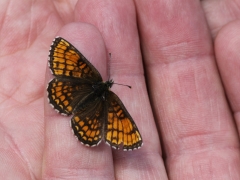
181	59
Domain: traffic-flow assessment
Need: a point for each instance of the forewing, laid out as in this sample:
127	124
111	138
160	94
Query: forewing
64	94
120	127
66	61
88	122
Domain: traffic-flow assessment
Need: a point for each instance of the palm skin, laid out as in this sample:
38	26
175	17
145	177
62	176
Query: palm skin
188	95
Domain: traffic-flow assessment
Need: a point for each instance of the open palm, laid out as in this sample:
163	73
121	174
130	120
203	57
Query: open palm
188	108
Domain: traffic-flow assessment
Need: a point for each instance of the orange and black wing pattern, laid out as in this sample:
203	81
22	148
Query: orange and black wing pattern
87	123
74	76
120	127
66	61
65	94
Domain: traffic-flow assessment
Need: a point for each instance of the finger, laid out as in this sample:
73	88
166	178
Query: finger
119	29
22	64
64	156
189	103
227	54
217	16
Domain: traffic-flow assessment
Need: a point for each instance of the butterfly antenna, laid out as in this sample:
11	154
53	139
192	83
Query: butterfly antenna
110	55
123	85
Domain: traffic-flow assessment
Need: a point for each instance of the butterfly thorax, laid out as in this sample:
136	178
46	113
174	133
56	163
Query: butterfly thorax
101	88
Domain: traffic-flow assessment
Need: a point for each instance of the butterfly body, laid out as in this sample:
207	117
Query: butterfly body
101	88
78	90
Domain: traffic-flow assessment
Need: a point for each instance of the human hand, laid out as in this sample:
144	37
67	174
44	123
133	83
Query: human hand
192	116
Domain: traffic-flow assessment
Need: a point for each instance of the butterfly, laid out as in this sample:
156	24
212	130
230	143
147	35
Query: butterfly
78	90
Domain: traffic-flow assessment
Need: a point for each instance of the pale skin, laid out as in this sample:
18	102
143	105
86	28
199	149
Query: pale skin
189	61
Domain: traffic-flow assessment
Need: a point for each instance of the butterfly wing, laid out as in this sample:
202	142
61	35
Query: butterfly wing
66	61
74	76
120	127
87	123
65	94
